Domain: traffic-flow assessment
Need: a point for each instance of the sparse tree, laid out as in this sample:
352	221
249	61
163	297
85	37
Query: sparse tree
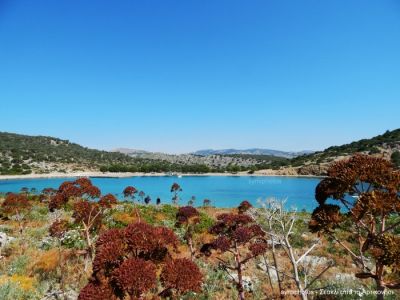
141	196
175	189
88	215
130	192
187	217
192	201
206	202
57	230
239	236
278	225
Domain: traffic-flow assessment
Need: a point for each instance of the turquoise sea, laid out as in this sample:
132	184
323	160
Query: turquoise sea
223	191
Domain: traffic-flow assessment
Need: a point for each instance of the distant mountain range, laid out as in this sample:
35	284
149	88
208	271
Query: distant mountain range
252	151
208	152
130	151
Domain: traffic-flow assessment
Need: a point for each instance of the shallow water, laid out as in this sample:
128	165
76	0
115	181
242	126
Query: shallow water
223	191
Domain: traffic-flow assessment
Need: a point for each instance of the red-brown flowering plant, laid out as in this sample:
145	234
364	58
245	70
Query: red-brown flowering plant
86	188
89	216
206	202
175	189
129	262
367	190
96	291
58	228
325	218
180	276
91	192
129	192
46	194
135	276
244	206
70	189
239	236
81	187
83	182
187	217
16	205
57	201
107	201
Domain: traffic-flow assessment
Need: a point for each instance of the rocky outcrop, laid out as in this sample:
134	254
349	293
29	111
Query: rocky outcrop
314	170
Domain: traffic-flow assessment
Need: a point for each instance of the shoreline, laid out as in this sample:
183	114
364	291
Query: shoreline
141	174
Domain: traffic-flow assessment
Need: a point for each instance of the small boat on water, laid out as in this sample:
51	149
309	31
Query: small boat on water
173	175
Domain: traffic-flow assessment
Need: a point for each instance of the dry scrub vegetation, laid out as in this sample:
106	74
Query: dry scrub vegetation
75	243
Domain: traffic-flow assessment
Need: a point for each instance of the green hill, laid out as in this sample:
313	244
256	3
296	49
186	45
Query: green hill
386	145
23	154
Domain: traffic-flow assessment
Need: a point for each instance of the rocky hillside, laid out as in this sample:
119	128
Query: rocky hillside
22	154
252	151
212	161
386	145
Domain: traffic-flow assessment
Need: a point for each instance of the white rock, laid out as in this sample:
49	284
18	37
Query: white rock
247	282
314	261
272	273
5	239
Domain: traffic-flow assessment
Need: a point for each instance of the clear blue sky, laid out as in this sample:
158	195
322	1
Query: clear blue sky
178	76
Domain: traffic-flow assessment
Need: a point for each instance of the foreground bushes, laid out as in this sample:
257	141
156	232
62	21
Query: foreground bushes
75	241
128	260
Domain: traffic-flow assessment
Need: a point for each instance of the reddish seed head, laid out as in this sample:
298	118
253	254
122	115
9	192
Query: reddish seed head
83	182
258	248
176	187
93	291
135	276
15	203
91	191
107	200
244	206
183	275
129	191
87	212
186	213
108	256
58	228
57	201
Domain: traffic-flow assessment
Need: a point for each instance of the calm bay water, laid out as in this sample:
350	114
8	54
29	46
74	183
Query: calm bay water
223	191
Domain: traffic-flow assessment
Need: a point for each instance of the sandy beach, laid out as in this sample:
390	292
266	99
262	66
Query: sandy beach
260	173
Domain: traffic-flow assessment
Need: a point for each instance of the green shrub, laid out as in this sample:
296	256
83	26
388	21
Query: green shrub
169	211
10	291
205	223
73	239
38	213
18	265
